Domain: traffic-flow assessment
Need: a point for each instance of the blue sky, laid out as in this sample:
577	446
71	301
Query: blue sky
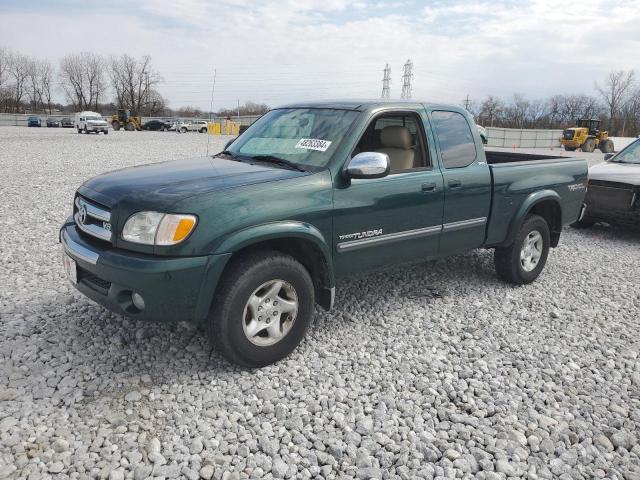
277	51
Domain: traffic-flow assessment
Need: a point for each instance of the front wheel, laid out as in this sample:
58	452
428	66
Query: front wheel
262	309
569	149
523	260
183	130
606	146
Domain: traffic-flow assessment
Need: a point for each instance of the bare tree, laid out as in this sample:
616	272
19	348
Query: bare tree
134	83
45	75
614	93
19	72
490	110
82	78
33	83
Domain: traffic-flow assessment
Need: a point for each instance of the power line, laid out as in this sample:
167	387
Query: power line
386	80
407	76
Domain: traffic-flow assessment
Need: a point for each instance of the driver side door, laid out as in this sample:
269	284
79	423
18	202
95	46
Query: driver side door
394	219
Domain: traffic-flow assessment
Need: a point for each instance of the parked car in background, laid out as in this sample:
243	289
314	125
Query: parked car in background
87	122
484	136
157	125
247	242
67	122
613	194
53	122
192	126
34	122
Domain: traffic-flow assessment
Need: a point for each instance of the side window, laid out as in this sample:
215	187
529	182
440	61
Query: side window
398	135
457	146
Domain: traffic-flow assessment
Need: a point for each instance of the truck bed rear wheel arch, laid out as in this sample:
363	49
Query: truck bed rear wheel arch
543	203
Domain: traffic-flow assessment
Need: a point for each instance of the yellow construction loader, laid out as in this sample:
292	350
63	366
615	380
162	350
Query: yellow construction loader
124	119
586	136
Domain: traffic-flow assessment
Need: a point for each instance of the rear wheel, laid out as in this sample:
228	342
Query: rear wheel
606	146
183	130
523	260
85	130
203	130
589	145
116	125
130	127
262	309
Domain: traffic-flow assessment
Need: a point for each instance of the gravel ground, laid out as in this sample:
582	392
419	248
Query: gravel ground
430	371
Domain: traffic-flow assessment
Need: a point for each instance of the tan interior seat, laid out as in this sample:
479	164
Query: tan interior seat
397	143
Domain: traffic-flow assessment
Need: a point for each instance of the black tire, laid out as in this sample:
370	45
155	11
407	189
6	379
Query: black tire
507	259
106	132
129	127
606	146
569	149
589	145
225	323
85	130
116	125
183	130
79	130
203	130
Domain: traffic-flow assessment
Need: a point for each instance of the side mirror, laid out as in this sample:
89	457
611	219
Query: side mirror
607	156
369	165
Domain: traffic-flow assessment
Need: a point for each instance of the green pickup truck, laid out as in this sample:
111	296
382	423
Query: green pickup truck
247	241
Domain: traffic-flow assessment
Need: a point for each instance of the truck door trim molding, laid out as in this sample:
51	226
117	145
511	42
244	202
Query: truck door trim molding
472	222
388	238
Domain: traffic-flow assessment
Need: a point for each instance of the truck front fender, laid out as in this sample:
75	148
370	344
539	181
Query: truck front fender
301	240
529	204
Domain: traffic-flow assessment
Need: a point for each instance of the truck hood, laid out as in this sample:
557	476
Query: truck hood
616	172
160	185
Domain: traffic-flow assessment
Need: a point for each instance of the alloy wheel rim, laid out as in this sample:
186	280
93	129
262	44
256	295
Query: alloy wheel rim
270	313
531	251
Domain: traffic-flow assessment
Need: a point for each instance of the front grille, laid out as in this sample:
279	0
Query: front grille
568	134
100	285
92	219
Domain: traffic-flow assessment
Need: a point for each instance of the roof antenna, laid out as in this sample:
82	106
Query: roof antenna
213	89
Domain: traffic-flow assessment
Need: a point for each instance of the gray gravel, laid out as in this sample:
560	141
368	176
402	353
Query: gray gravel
430	371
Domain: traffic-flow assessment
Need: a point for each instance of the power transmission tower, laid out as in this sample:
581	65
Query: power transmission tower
466	103
386	81
407	76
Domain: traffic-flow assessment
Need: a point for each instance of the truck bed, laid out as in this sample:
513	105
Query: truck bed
496	157
516	176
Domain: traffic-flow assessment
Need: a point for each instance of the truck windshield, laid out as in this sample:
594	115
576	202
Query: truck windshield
306	137
631	154
93	117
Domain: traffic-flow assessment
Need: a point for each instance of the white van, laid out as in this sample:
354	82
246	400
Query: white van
91	122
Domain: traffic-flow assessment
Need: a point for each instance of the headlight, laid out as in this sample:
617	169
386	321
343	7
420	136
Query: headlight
155	228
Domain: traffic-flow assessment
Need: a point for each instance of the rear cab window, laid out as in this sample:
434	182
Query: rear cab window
457	146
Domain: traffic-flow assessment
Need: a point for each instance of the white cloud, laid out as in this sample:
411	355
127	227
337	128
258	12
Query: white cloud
278	51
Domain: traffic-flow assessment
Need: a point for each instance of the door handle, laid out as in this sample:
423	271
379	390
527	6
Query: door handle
455	183
428	187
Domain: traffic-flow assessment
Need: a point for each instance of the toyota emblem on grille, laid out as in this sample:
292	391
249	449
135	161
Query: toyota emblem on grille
82	214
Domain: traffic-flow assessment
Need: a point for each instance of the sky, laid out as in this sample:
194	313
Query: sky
279	51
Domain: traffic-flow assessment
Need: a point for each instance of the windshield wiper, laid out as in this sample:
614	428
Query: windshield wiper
278	161
229	154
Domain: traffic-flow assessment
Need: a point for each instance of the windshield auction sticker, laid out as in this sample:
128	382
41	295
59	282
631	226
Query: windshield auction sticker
313	144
